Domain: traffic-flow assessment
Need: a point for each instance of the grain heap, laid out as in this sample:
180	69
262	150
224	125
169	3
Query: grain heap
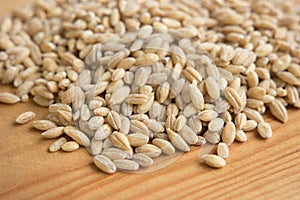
84	54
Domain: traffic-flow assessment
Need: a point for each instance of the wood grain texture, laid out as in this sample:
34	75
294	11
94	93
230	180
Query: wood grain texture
257	169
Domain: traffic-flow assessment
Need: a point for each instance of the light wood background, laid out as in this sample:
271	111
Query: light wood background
257	169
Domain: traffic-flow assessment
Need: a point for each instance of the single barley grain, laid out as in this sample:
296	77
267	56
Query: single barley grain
105	164
264	129
43	125
149	149
228	133
70	146
137	139
214	161
223	150
120	140
78	136
53	132
25	117
178	141
55	146
241	136
114	153
124	164
9	98
249	125
142	159
164	145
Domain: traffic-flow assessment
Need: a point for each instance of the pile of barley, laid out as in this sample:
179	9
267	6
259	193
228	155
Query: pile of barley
143	78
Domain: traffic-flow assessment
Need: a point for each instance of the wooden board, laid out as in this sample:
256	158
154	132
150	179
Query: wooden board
257	169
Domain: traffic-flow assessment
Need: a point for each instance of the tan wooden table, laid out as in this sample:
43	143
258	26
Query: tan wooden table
257	169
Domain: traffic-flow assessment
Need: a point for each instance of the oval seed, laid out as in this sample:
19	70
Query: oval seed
70	146
105	164
214	161
142	159
264	129
25	117
55	146
223	150
124	164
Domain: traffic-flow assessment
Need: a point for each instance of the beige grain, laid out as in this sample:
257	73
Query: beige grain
25	117
164	145
188	135
43	125
137	139
124	164
114	153
53	132
241	136
9	98
77	136
120	140
279	111
55	146
70	146
223	150
253	114
249	125
142	159
208	115
96	146
178	141
149	149
214	161
212	88
105	164
114	119
228	133
264	129
213	138
216	125
233	98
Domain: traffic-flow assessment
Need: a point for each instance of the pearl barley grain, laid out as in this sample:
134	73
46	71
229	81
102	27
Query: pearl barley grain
25	117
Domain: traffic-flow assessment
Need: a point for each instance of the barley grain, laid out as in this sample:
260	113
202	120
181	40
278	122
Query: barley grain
121	141
105	164
8	98
214	161
137	139
164	145
70	146
124	164
241	136
279	111
96	146
149	149
43	125
223	150
216	125
188	135
115	153
213	138
142	159
249	125
77	136
264	129
53	132
55	146
178	141
228	133
25	117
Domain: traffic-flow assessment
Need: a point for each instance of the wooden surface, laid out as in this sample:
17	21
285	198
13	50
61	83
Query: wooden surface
257	169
